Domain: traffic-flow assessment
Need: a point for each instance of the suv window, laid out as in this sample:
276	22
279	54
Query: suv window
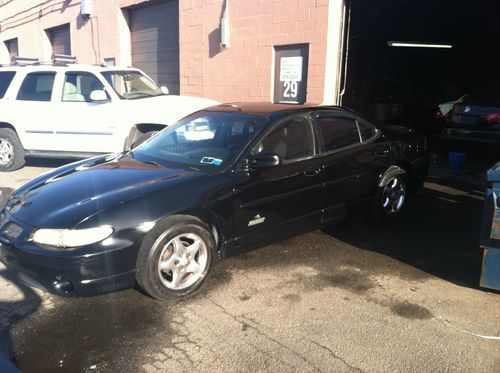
79	85
337	132
131	84
5	80
291	140
37	87
366	129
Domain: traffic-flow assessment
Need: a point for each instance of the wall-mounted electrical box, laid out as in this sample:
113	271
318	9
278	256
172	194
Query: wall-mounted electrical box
86	8
224	32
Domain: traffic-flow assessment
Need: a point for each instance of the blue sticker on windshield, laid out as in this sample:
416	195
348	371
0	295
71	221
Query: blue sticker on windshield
211	160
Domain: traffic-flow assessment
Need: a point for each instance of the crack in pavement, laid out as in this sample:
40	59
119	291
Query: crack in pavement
335	356
268	357
261	333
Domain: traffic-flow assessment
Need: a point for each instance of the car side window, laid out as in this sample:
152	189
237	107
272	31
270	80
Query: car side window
337	132
366	129
291	140
5	80
37	87
78	86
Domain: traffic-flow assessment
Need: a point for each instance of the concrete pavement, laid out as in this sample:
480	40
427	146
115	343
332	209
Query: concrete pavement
356	297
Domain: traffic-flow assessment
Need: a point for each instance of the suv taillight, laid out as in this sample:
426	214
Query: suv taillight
493	118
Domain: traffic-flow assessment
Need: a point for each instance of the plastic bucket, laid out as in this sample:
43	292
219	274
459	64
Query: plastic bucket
455	160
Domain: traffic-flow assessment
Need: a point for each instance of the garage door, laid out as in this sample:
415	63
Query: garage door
155	42
60	39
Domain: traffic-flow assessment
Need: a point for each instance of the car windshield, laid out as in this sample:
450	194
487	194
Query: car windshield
131	84
208	141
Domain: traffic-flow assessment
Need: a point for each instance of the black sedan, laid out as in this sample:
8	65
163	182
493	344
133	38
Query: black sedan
220	182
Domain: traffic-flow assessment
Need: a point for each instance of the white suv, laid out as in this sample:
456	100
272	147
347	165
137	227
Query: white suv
68	109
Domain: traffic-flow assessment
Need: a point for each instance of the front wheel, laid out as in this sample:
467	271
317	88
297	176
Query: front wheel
391	197
175	258
11	151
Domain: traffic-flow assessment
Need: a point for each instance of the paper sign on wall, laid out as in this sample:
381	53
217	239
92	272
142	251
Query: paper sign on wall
291	69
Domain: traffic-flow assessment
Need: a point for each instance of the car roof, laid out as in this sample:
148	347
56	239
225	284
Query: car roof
270	110
64	67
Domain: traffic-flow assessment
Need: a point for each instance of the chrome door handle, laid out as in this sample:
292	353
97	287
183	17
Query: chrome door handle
313	171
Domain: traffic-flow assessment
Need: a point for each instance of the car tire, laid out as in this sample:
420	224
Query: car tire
175	258
392	194
12	154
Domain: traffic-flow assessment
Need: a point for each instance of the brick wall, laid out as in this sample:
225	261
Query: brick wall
243	71
90	41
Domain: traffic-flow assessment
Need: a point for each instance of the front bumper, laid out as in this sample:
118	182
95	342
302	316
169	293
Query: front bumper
95	269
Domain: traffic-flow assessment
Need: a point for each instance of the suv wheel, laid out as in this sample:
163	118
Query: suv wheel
11	151
175	258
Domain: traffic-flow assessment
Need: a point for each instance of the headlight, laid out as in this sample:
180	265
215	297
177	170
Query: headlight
71	237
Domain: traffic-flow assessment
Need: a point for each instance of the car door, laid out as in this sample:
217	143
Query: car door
351	162
34	111
82	125
283	200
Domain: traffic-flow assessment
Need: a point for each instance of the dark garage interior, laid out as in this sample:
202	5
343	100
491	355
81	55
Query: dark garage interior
400	85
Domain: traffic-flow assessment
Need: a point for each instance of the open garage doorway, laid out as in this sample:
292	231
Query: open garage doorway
404	85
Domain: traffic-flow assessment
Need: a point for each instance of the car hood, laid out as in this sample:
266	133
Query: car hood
166	109
66	196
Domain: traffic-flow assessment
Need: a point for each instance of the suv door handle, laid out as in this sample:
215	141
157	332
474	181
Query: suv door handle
382	152
313	171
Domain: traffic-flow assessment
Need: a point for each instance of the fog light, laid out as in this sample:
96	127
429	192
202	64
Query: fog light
62	285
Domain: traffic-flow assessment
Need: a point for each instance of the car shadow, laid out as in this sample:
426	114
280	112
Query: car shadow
12	313
438	233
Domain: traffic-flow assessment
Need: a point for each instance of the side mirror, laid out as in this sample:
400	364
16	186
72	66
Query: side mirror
164	90
264	160
98	96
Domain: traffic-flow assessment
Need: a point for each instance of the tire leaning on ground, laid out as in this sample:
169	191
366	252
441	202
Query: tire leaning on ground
175	257
392	194
11	151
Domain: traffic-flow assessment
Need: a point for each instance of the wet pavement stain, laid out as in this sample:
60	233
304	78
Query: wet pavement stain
293	298
105	333
244	326
411	311
244	297
351	280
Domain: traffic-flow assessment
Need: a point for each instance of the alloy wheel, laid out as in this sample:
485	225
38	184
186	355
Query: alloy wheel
394	195
183	261
6	152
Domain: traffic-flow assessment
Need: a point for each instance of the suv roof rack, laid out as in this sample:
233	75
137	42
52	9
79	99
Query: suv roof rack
63	59
16	60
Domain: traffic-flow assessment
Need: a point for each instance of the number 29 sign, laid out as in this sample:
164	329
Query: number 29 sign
291	71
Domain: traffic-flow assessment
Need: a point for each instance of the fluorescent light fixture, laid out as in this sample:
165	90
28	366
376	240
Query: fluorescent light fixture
417	45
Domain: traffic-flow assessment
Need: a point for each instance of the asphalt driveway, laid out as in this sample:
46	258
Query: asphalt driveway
358	296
